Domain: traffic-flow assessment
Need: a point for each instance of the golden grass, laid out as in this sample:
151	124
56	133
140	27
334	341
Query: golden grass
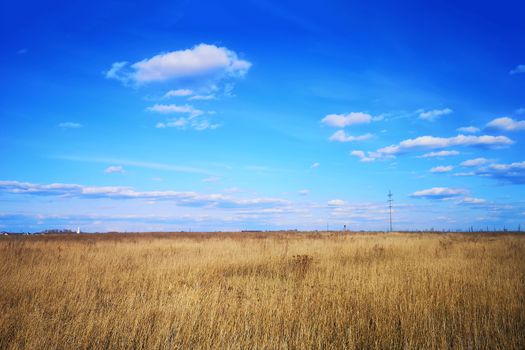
271	291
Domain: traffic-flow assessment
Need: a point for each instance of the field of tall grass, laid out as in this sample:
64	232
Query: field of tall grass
271	291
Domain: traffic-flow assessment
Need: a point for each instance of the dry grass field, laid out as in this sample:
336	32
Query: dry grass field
263	291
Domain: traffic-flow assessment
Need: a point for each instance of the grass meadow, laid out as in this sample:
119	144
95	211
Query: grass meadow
263	291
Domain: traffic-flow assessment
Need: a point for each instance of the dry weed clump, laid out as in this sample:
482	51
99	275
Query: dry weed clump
263	290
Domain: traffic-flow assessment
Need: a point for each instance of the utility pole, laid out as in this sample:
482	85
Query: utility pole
390	200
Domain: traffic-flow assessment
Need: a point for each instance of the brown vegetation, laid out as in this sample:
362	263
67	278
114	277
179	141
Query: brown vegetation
257	290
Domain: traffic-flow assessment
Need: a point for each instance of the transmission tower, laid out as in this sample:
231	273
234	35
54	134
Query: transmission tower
390	200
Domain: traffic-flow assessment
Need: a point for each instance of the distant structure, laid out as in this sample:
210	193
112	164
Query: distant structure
78	230
390	200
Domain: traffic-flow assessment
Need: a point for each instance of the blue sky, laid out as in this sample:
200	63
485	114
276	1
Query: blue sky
177	115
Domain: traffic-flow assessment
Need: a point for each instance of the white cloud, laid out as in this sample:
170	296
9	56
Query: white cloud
439	154
340	136
336	202
69	125
203	61
362	156
175	123
513	173
172	108
519	69
506	124
204	125
304	192
232	190
315	165
465	174
113	72
203	97
432	142
342	120
434	114
192	199
211	179
187	123
178	93
475	162
442	169
438	193
468	129
114	169
191	122
138	163
473	200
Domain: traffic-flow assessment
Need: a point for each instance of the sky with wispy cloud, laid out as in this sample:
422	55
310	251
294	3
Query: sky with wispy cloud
261	114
